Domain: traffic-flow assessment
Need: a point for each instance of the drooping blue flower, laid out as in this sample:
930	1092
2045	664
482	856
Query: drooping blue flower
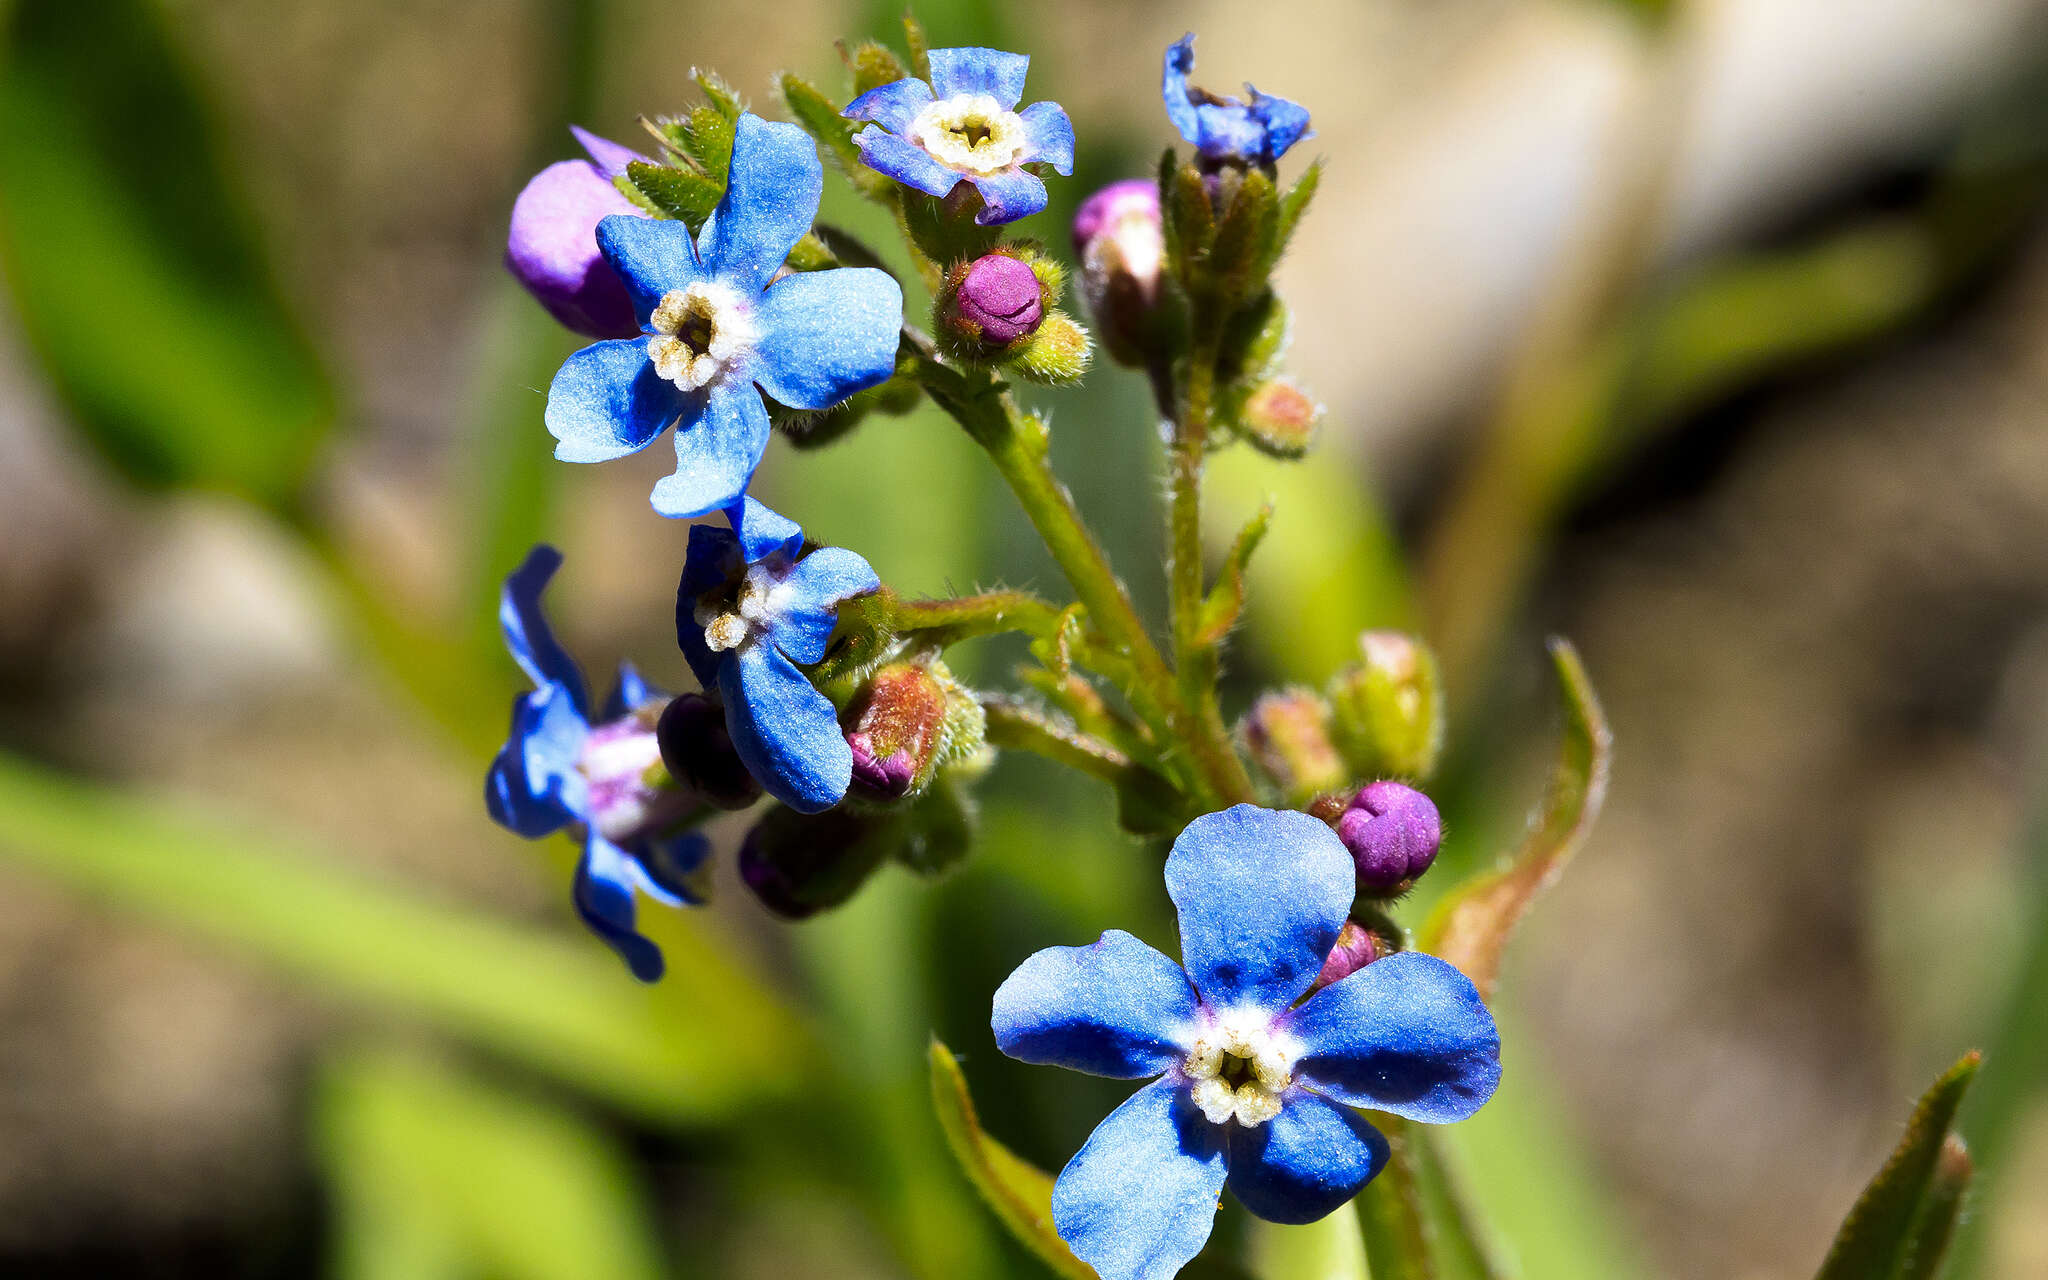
750	609
1254	1092
716	333
1257	130
964	127
560	768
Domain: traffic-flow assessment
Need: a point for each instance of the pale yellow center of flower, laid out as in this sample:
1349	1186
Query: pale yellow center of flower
971	133
1239	1068
698	333
760	597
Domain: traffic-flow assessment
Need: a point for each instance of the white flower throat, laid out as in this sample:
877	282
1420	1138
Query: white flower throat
1239	1068
699	332
759	599
971	132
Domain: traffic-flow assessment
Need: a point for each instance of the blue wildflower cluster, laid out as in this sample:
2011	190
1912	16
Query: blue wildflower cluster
722	311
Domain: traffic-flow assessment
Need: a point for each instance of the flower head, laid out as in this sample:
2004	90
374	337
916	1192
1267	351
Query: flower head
599	776
750	609
1256	130
718	329
1254	1091
965	127
552	246
999	300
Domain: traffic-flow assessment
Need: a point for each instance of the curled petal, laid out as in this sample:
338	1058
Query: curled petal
713	559
651	255
1261	894
893	106
1138	1200
525	624
970	70
1304	1162
1117	1008
771	195
1051	136
1284	123
606	879
1008	195
716	454
607	401
785	731
815	588
827	334
1406	1035
1173	87
761	530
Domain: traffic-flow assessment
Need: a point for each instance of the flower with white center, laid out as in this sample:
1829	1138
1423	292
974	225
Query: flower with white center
750	609
964	126
601	779
1255	1085
719	327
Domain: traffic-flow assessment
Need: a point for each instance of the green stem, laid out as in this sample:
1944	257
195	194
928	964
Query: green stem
958	618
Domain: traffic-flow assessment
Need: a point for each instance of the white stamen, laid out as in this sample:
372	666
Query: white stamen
1245	1037
699	332
725	631
971	132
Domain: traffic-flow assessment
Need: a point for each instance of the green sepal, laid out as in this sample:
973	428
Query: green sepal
1188	221
944	229
873	65
1291	207
707	138
1254	340
821	119
1225	600
938	827
1244	240
670	191
1056	354
722	96
1877	1239
919	44
811	254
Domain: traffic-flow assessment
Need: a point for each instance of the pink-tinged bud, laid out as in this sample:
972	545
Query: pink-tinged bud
899	727
698	751
552	246
1118	239
1288	732
1356	948
998	301
1393	832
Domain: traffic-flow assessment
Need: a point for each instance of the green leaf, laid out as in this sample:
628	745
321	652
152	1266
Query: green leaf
1463	1250
707	135
466	1179
1935	1224
873	65
1292	206
708	1040
1329	1249
134	266
919	44
671	191
820	118
1245	239
721	95
1470	927
1018	1191
1390	1210
1877	1238
1226	599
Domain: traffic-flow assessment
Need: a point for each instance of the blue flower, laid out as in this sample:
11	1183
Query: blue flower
964	127
750	608
560	769
715	333
1225	130
1254	1091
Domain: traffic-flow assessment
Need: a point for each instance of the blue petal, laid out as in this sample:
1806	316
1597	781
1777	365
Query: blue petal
1406	1035
715	455
1117	1009
1173	87
1285	123
607	401
770	198
527	634
1137	1201
893	106
1304	1162
652	256
784	730
549	730
511	798
1051	136
712	561
604	893
1230	132
1008	196
676	869
814	589
827	334
627	695
762	531
970	70
904	161
1261	895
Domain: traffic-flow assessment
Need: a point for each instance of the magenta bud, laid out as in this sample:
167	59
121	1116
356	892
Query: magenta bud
697	750
1393	833
1122	247
1355	949
899	728
1106	210
552	246
881	777
999	297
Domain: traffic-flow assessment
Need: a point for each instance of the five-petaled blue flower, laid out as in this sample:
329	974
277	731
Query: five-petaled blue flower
749	609
964	127
714	328
1225	130
559	769
1254	1091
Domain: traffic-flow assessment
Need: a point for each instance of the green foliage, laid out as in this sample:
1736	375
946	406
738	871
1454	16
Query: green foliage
872	65
133	265
671	191
1225	600
820	118
1900	1225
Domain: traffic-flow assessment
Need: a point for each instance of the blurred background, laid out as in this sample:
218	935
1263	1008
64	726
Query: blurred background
1713	336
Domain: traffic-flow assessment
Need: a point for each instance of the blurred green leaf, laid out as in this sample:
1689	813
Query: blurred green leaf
1389	1212
1470	927
1329	1249
1876	1239
1463	1250
134	267
1018	1191
1226	599
706	1041
1935	1224
439	1169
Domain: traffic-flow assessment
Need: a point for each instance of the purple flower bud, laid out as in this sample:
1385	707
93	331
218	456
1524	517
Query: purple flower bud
1118	238
800	864
880	777
1355	949
552	248
1107	209
698	751
1393	833
899	728
999	298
